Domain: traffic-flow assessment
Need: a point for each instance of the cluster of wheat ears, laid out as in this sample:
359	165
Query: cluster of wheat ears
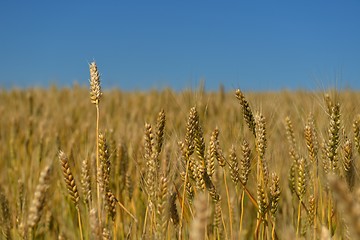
205	167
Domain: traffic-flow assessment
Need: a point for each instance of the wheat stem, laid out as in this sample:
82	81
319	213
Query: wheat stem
242	211
98	165
183	197
79	221
127	211
229	204
298	220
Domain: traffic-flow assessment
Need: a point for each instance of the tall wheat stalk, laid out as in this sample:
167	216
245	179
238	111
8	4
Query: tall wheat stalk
244	175
95	95
187	151
262	174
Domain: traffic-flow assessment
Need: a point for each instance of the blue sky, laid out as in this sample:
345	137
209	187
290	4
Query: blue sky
139	45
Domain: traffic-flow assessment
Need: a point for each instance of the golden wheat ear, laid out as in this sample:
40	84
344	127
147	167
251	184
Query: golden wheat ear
334	138
348	163
162	213
261	145
71	186
95	88
159	134
234	166
311	139
69	178
245	162
356	131
247	113
86	183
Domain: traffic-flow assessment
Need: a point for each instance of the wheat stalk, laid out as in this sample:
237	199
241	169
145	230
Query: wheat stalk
187	149
95	95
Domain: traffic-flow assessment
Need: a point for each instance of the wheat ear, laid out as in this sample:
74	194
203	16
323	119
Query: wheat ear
162	213
349	165
86	183
160	126
261	144
69	178
247	113
274	200
333	142
71	186
210	160
150	158
174	215
356	131
200	151
234	166
95	88
311	139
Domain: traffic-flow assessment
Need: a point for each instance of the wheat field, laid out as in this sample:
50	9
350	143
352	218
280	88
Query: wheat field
87	163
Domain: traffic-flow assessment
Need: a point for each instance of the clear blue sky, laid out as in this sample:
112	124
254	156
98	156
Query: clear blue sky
254	45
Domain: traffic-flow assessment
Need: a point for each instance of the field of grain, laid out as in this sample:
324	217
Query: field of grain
83	163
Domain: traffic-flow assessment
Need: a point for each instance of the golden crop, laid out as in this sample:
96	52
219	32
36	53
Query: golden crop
178	165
